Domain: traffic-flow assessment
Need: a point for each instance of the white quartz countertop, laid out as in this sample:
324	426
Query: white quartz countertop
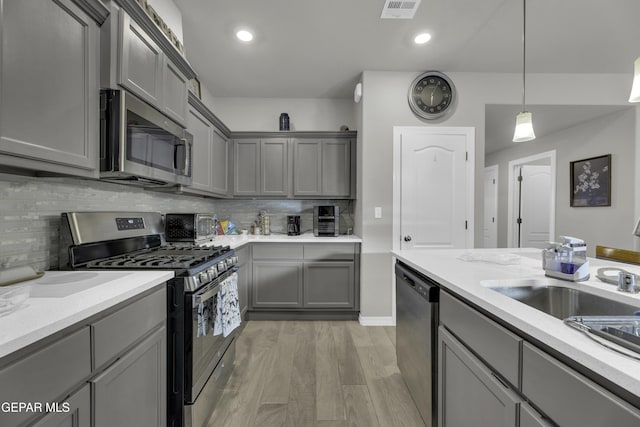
60	299
471	280
237	241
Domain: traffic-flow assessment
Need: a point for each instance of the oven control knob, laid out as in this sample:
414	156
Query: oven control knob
222	266
213	272
203	277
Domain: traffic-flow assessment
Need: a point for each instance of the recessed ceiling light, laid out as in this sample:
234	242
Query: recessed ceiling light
422	38
244	35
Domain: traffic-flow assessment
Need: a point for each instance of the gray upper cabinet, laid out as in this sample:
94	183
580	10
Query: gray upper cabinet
49	87
322	168
141	62
260	167
202	131
220	164
246	167
136	61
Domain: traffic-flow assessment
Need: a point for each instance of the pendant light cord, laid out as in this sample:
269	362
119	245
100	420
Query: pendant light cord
524	49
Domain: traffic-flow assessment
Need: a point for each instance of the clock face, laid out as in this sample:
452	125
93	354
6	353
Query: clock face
432	95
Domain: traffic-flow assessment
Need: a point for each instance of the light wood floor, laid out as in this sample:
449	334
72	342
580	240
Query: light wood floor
315	373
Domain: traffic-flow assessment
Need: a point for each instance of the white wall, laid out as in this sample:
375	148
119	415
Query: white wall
262	114
609	226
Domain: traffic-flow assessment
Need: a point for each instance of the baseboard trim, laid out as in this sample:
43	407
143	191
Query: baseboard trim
376	320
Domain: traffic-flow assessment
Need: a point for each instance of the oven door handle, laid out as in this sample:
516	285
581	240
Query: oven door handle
198	298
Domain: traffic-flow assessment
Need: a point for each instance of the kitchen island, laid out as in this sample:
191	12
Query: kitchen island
530	333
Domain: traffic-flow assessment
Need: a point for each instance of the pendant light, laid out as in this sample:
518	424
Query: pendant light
635	89
524	126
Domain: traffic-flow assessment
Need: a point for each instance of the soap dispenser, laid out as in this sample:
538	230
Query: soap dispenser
566	260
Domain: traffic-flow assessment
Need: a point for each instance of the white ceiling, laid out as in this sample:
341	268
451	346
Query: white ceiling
318	48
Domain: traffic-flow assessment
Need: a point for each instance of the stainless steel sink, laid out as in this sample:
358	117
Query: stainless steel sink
562	302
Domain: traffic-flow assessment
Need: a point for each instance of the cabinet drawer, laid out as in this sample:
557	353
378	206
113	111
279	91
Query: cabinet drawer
45	375
569	398
277	251
329	251
123	328
498	347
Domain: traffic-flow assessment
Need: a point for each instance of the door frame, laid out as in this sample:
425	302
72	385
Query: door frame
512	207
496	170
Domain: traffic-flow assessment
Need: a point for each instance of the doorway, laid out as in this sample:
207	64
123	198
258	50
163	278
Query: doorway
532	197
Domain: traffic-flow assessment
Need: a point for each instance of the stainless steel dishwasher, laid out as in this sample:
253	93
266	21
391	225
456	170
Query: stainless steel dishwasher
416	338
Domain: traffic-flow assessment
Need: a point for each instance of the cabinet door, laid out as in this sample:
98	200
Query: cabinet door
141	62
529	417
175	89
329	284
202	131
244	271
73	412
336	168
49	87
469	393
132	391
219	164
246	167
307	168
274	167
277	284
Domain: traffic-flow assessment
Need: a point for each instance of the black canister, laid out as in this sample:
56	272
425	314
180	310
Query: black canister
284	121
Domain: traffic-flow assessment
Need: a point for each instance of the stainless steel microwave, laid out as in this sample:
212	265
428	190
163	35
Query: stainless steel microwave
139	145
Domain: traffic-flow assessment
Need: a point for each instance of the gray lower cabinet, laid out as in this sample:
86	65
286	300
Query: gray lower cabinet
529	417
329	284
75	411
244	274
322	168
260	167
470	394
49	87
112	371
132	391
569	398
309	277
563	396
277	284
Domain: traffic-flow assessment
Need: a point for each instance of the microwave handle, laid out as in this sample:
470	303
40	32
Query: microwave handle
187	156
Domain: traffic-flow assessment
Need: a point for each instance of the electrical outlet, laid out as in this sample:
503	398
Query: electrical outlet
377	212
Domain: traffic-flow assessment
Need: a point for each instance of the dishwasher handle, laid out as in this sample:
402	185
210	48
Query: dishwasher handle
426	287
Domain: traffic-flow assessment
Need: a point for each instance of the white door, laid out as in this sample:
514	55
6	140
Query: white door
435	187
490	229
535	206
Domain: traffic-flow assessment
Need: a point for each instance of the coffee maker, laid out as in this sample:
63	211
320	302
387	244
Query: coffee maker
293	225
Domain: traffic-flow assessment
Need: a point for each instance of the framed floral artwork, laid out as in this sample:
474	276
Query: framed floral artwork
591	182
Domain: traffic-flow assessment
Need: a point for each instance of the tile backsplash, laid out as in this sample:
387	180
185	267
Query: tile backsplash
30	209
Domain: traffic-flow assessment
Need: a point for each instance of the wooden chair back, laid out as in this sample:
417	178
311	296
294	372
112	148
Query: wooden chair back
620	255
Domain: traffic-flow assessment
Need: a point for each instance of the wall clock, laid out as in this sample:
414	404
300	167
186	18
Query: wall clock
432	95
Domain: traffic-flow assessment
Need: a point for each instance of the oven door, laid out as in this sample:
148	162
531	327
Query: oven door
203	349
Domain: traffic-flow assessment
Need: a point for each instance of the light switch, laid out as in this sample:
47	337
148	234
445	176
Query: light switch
377	212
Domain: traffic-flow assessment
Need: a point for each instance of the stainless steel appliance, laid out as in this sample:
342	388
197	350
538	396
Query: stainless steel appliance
417	317
326	220
198	362
139	145
193	228
293	225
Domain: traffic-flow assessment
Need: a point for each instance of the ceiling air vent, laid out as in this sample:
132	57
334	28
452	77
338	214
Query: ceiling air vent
398	9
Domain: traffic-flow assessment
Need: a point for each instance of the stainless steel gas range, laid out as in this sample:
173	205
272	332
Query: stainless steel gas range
199	357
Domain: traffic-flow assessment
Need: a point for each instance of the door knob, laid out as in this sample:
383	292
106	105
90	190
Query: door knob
407	238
